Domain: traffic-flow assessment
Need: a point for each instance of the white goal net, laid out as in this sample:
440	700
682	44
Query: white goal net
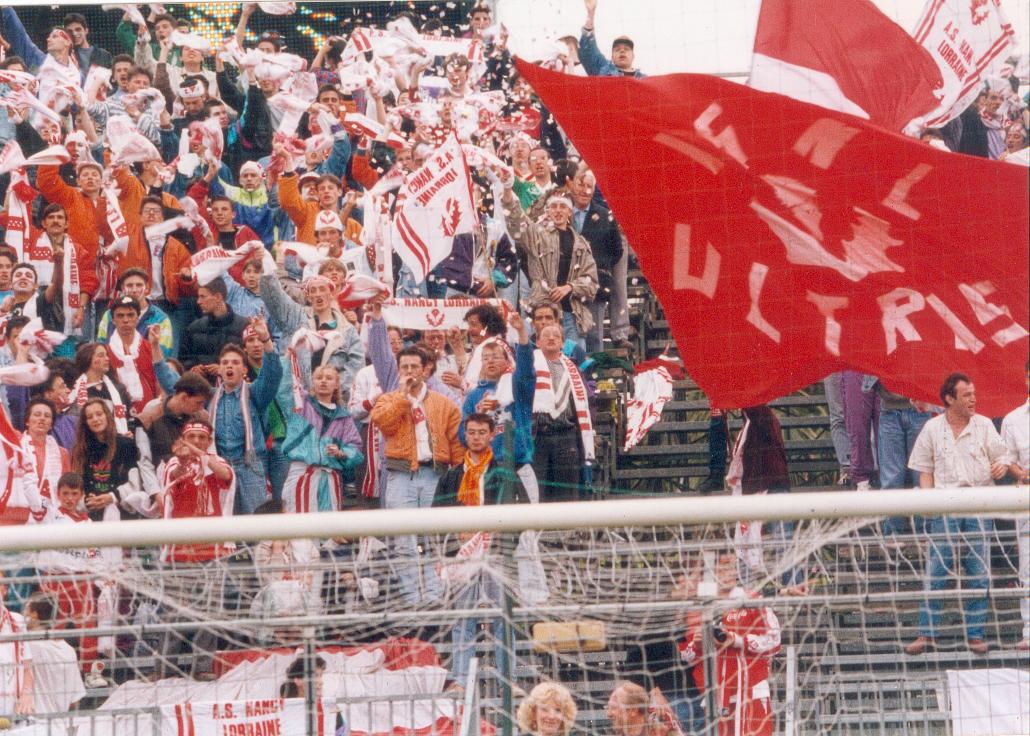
803	626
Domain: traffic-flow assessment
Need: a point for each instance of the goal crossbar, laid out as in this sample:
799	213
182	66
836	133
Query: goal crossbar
987	501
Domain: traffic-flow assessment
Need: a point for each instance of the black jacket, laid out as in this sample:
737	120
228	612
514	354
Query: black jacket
495	488
600	230
205	337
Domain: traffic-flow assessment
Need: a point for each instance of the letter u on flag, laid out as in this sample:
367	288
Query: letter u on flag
787	241
437	206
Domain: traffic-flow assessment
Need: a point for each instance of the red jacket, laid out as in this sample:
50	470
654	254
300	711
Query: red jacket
741	673
87	222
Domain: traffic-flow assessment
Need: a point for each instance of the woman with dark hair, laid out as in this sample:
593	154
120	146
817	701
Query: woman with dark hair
93	364
107	461
45	460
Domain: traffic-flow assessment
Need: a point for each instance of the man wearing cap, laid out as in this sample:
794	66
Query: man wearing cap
304	212
621	63
559	261
251	200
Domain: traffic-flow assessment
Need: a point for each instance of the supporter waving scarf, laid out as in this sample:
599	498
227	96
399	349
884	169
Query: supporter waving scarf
18	220
121	413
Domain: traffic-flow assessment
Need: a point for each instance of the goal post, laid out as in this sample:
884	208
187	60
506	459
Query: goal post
515	518
297	624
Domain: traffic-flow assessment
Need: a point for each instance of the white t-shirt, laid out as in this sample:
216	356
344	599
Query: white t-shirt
13	655
56	674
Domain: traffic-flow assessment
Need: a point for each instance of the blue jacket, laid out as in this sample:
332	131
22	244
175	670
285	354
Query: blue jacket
254	209
520	411
21	44
311	430
595	63
229	430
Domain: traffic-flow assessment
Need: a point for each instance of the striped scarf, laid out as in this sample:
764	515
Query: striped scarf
41	256
249	454
43	480
551	401
121	414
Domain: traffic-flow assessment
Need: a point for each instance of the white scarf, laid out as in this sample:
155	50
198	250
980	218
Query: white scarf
125	364
41	256
551	401
42	479
418	416
109	255
121	415
249	454
18	221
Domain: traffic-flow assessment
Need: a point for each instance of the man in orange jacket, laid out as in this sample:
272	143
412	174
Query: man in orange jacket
421	431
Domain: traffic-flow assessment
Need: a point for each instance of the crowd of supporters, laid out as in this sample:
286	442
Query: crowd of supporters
137	384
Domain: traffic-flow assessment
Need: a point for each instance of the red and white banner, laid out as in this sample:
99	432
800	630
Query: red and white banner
969	41
210	263
787	242
243	718
437	206
854	59
434	314
652	388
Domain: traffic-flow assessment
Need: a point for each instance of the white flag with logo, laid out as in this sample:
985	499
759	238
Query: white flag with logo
969	40
437	206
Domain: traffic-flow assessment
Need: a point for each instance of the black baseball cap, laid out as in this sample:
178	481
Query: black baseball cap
623	41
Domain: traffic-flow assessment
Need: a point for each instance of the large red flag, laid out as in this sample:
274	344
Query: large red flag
852	58
786	241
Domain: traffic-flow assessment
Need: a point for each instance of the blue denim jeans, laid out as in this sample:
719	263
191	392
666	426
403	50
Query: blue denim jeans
690	712
405	490
251	487
571	331
897	434
278	467
947	533
483	588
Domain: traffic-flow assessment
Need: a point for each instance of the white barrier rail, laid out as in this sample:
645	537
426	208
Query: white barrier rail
986	501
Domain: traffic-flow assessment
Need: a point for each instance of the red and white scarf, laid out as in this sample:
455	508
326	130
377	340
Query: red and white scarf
43	480
41	256
18	220
107	265
552	400
80	392
249	453
209	264
124	363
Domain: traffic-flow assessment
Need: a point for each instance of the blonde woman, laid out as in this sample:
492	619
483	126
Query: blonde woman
548	710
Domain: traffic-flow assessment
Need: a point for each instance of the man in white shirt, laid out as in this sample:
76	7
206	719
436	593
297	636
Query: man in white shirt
17	684
957	449
1015	433
55	666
